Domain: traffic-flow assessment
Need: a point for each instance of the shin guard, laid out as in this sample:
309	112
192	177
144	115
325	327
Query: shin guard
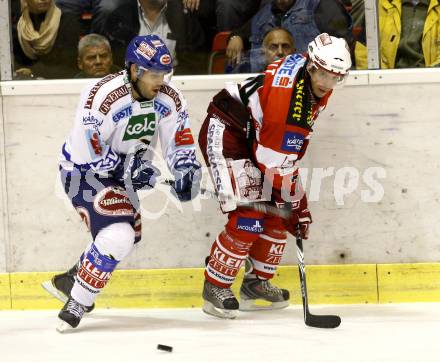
265	256
93	274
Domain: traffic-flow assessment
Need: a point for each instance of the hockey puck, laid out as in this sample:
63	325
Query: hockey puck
163	347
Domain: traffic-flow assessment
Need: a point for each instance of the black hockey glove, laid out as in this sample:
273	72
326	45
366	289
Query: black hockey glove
135	173
187	176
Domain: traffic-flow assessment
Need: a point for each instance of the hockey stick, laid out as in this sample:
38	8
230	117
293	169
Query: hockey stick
311	320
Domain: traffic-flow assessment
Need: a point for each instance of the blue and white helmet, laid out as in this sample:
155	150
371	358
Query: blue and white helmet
149	52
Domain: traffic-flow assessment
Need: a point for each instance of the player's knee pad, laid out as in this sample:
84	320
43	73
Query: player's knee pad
265	255
116	240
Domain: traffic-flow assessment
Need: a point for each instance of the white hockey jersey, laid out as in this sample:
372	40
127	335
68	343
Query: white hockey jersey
109	122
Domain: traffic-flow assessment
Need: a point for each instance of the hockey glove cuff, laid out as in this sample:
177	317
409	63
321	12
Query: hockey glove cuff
187	180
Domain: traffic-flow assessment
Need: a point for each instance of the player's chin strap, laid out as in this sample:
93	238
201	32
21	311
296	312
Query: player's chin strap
134	84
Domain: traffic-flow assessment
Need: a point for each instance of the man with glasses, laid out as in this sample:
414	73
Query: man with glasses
267	120
107	159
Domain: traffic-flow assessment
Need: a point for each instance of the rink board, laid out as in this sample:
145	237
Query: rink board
5	291
181	288
409	282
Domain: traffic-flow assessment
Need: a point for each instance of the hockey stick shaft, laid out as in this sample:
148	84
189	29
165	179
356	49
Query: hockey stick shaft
302	272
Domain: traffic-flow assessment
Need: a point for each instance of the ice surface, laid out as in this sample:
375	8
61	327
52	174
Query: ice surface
386	333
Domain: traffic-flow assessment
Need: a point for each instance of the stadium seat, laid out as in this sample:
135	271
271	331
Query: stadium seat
217	57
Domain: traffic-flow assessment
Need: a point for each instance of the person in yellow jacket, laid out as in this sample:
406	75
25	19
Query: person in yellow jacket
409	35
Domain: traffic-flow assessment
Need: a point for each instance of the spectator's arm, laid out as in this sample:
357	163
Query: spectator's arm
238	42
244	32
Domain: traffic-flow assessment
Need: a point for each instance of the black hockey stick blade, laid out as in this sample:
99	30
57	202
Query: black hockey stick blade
322	321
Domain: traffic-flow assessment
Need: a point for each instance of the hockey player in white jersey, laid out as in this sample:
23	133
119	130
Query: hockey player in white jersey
107	158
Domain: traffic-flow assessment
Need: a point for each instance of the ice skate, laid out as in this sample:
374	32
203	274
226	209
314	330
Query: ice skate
219	302
61	285
259	294
70	315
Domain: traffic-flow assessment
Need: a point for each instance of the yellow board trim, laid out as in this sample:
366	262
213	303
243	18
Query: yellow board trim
409	282
5	291
182	288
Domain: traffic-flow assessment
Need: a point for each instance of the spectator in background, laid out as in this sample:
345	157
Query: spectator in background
277	43
409	35
180	29
100	10
152	20
144	17
44	41
305	19
95	58
226	14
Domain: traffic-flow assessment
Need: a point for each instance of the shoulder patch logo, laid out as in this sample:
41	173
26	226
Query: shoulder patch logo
112	97
173	95
96	87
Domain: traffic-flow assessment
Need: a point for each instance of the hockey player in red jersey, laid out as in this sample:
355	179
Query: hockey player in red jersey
267	120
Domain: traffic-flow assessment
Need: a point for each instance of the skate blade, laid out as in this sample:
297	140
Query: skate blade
209	308
248	305
64	327
48	286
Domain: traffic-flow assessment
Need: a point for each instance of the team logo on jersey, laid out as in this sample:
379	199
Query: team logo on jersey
140	127
173	95
107	162
95	144
250	225
286	73
146	104
113	201
112	97
165	59
122	113
292	142
162	109
92	120
146	50
96	88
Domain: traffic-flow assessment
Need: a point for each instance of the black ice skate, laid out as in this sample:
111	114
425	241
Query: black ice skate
70	315
61	285
258	294
219	302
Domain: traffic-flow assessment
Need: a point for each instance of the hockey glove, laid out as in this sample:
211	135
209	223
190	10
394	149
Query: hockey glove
302	217
187	176
136	173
